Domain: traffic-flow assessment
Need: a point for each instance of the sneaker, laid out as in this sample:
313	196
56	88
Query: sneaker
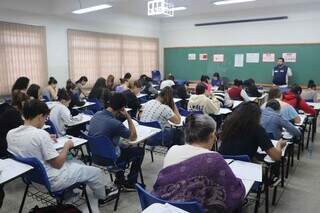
128	187
112	194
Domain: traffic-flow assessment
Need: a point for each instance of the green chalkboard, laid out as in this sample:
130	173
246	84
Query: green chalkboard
305	68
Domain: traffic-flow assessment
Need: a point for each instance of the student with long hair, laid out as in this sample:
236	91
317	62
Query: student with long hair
251	88
242	134
192	169
73	92
205	80
80	86
21	84
163	109
146	85
293	97
127	76
98	89
131	96
216	80
310	94
51	91
10	118
110	82
34	92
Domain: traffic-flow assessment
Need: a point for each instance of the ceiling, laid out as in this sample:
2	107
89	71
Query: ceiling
139	7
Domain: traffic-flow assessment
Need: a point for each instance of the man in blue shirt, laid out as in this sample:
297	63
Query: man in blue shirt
105	123
273	123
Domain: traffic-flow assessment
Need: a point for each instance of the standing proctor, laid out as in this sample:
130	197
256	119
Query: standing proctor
281	74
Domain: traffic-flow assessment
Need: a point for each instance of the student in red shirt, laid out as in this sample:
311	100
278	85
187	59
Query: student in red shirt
294	99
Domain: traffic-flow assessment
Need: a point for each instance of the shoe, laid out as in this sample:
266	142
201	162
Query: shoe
112	194
128	187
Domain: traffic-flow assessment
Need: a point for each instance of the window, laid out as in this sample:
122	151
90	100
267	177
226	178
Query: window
22	53
99	55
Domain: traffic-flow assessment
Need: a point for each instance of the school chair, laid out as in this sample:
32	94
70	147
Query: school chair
256	188
103	153
52	130
157	137
147	199
45	98
180	82
39	176
156	76
96	107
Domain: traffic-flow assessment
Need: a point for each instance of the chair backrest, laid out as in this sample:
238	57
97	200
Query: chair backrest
38	174
156	75
52	130
147	199
245	158
46	98
180	82
102	147
96	107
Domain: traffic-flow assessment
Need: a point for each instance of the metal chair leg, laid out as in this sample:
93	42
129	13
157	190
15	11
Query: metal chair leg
257	204
117	201
141	177
24	198
87	199
274	197
151	153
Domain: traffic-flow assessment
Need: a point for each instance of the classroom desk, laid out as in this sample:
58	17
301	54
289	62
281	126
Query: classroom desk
51	104
183	119
224	111
175	100
141	95
143	133
84	119
62	140
236	104
11	169
246	170
303	118
87	103
316	106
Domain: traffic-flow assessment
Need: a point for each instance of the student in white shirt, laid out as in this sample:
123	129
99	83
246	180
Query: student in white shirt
29	140
60	115
163	109
202	102
310	94
167	83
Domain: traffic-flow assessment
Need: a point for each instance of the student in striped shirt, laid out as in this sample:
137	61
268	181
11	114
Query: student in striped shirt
223	97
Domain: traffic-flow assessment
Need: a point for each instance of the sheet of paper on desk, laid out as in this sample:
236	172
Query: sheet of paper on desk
246	170
125	123
228	160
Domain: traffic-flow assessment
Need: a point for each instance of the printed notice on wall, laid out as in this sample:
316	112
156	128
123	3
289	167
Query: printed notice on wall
268	57
192	56
289	57
252	57
218	58
238	60
203	57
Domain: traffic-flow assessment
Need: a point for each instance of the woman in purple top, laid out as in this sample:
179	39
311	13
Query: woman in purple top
193	172
216	80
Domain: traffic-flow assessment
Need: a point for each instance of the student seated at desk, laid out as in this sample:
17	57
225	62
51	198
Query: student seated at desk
51	91
10	118
193	172
310	94
110	83
251	88
21	84
74	94
181	91
105	123
79	89
216	80
146	85
29	140
60	115
169	82
131	96
294	99
242	134
34	92
287	111
163	109
98	90
236	92
123	85
273	123
127	76
205	80
223	97
202	102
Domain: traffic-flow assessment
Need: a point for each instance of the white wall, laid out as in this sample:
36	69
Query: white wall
301	27
56	27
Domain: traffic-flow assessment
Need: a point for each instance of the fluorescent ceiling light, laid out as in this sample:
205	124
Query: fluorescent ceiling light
231	2
178	8
91	9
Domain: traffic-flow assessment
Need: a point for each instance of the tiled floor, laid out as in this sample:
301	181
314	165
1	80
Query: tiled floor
301	193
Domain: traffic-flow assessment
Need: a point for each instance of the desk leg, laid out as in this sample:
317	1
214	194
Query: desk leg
282	171
266	189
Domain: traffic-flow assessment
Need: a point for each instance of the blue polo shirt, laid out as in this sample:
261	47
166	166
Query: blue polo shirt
104	124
